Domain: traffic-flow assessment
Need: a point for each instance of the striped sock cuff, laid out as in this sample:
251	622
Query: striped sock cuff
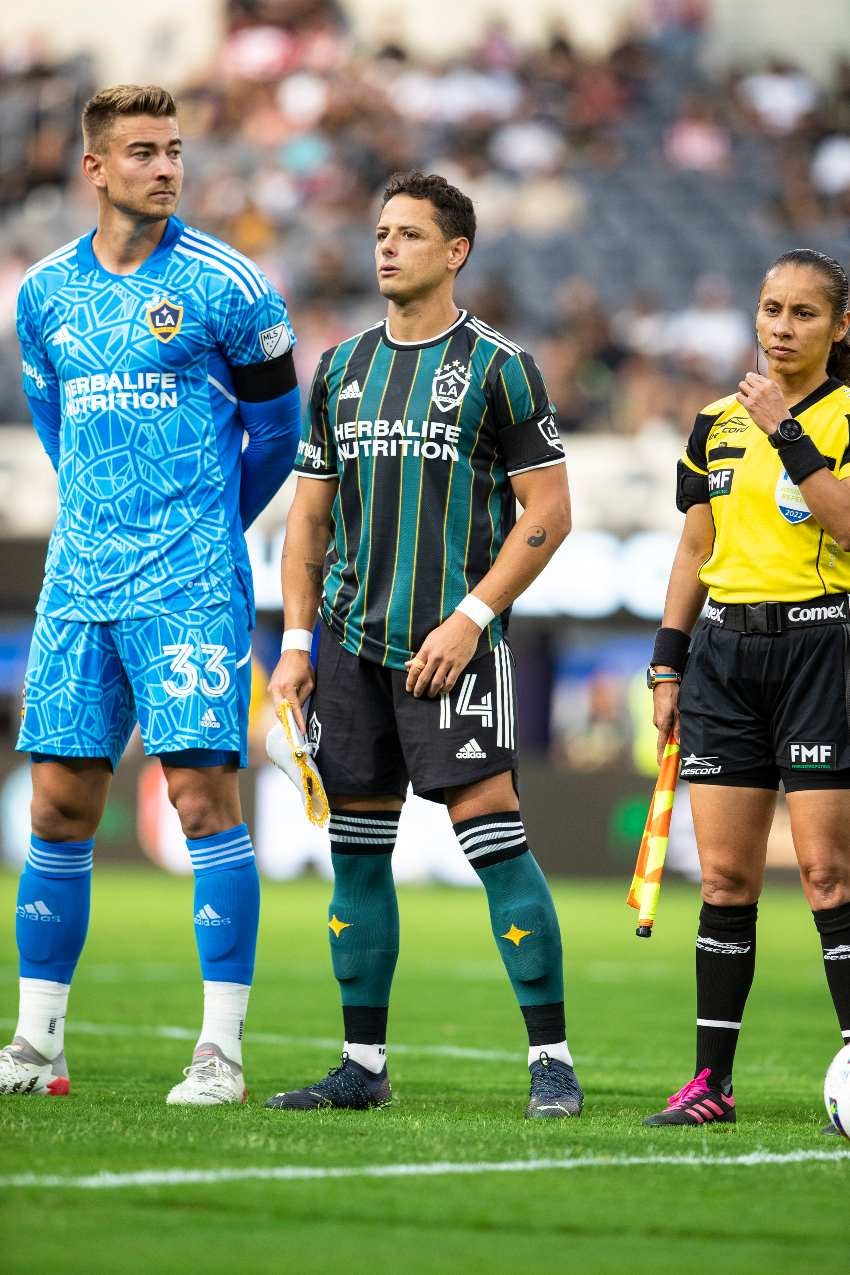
492	838
60	858
370	832
229	849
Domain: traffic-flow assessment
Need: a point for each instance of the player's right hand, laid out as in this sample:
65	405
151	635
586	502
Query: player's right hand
293	679
665	713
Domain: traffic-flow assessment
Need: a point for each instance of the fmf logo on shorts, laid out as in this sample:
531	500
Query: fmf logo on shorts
807	755
719	482
715	614
804	615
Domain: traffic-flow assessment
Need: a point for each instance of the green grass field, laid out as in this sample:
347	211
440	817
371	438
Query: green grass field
620	1198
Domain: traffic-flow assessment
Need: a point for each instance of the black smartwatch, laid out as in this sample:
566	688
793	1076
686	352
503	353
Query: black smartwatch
787	431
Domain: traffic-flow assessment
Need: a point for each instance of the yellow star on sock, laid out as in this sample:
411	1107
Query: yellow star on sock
338	926
516	935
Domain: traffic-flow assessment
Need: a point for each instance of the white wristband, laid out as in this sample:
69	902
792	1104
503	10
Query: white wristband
296	640
476	610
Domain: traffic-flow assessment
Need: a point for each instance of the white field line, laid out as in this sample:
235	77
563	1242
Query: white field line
277	1041
438	1168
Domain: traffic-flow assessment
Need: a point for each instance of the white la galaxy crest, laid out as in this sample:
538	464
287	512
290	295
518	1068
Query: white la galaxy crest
450	383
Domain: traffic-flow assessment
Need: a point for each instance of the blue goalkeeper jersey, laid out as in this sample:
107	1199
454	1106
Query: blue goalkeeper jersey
142	388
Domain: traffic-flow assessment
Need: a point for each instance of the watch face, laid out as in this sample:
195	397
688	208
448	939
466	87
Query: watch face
790	431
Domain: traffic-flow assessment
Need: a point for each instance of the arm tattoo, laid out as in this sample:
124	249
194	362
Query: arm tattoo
537	538
314	572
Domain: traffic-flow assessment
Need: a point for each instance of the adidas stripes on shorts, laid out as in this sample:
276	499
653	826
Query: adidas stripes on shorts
373	736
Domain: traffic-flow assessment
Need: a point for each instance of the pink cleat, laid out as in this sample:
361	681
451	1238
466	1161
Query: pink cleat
696	1103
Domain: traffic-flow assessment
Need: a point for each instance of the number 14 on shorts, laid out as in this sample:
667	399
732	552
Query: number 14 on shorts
464	707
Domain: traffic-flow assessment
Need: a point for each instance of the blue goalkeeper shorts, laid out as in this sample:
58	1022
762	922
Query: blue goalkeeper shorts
185	677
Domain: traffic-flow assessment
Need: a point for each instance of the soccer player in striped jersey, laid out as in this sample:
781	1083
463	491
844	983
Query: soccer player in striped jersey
422	433
149	351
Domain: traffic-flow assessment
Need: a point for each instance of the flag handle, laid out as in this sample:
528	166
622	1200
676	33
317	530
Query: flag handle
645	889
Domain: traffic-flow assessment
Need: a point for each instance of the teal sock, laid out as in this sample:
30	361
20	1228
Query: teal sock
363	919
522	913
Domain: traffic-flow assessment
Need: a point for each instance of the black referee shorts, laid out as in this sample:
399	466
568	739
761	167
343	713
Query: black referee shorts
373	736
756	708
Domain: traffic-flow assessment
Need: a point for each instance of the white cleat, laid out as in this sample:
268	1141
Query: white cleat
23	1070
211	1079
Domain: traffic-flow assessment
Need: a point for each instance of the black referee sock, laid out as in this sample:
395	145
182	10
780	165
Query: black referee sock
834	929
726	960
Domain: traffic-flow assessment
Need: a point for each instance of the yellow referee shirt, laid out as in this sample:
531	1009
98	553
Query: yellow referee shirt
767	545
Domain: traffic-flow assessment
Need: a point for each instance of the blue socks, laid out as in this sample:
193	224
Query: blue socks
52	916
227	904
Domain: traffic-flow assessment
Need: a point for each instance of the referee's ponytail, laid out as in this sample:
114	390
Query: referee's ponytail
838	363
836	287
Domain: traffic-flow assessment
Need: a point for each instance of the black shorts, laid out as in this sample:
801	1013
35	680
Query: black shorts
757	708
373	736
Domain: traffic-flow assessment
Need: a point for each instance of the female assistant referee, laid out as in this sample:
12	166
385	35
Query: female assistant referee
762	692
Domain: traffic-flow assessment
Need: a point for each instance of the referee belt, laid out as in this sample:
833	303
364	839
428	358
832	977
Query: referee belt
778	617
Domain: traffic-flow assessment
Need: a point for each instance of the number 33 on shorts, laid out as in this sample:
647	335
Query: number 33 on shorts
214	679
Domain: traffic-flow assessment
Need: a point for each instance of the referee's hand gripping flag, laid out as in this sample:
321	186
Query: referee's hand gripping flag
646	882
290	752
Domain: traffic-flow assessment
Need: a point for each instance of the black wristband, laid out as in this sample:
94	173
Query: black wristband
801	459
671	649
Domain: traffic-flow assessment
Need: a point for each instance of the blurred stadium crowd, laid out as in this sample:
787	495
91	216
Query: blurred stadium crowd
668	190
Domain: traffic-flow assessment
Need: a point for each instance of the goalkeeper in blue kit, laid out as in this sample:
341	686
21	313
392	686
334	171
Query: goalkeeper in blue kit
149	351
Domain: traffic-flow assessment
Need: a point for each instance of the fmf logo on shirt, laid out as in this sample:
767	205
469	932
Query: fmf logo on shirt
719	482
165	318
806	755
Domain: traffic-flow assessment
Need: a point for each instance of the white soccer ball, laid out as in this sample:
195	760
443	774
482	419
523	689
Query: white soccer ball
836	1091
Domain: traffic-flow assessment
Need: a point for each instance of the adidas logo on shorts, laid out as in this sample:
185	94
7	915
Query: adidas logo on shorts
210	721
352	390
471	749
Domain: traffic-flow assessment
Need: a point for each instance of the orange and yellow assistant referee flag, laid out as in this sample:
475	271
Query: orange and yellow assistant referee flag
646	882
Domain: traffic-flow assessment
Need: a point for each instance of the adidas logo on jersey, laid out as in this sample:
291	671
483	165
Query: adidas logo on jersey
471	749
210	721
63	336
208	916
352	390
38	911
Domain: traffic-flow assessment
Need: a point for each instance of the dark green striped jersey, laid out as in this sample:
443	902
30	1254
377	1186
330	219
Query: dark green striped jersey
423	438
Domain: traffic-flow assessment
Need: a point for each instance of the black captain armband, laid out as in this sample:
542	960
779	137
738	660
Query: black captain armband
670	649
801	459
259	382
691	488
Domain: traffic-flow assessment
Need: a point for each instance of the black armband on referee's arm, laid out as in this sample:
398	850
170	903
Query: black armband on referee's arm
671	649
691	488
801	459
